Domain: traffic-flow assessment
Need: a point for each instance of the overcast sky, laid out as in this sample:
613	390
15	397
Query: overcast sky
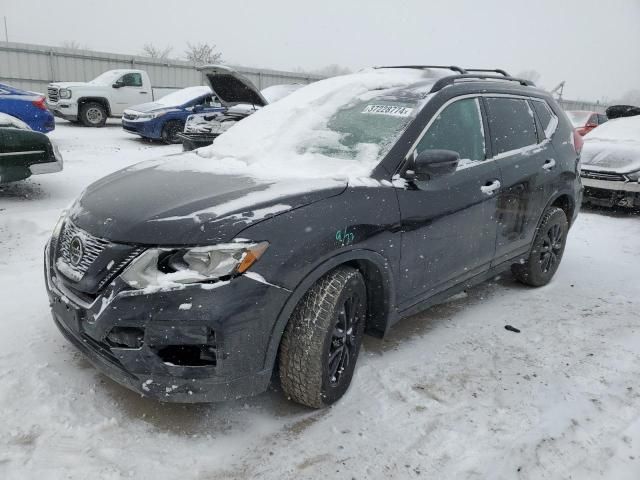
592	44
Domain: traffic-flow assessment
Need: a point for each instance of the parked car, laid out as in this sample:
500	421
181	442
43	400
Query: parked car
339	210
239	97
107	95
29	107
611	164
618	111
24	152
165	118
584	121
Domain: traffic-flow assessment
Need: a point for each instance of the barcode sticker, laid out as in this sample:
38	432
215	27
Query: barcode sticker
394	110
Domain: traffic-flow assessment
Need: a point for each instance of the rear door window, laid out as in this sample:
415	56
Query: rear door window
547	118
602	119
512	124
459	128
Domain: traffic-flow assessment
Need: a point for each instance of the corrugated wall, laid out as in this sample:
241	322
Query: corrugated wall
32	67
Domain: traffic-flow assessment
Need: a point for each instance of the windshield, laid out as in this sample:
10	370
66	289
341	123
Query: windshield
183	96
341	126
107	78
578	119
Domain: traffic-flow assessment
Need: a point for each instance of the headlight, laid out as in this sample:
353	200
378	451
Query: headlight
162	267
150	116
633	176
56	230
64	93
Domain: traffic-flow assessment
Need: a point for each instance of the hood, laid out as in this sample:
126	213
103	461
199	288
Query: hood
232	87
149	107
611	156
68	84
146	205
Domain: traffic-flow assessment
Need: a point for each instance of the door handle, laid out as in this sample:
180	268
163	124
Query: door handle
143	93
549	164
490	187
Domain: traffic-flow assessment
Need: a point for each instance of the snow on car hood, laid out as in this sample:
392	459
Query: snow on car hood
613	147
172	100
153	206
274	142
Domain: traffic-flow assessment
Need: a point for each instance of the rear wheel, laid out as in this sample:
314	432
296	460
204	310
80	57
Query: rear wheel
547	249
171	130
93	114
322	340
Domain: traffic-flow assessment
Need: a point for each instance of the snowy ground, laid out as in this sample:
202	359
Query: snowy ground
449	394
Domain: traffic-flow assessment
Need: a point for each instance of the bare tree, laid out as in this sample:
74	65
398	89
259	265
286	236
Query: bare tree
153	51
72	44
202	53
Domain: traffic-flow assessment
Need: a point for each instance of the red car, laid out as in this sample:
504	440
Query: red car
584	121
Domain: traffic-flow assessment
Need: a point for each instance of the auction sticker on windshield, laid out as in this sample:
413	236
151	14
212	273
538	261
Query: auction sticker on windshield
395	110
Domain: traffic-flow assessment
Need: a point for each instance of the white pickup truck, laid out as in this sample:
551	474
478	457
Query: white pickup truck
107	95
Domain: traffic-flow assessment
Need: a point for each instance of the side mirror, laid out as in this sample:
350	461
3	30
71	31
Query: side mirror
591	125
435	163
118	84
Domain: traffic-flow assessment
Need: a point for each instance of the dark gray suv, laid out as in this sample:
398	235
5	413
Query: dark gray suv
352	203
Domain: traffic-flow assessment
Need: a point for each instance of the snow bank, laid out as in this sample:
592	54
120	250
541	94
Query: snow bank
286	139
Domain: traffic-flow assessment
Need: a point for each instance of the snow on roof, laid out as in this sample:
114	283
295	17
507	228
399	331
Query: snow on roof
183	96
275	141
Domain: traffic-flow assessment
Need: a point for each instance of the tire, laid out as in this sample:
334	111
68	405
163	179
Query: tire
546	250
171	130
317	355
93	114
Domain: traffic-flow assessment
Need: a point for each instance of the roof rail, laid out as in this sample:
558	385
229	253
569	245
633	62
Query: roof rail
422	67
451	79
488	70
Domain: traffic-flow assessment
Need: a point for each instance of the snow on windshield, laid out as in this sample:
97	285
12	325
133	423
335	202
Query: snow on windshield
614	146
183	96
338	127
619	129
109	77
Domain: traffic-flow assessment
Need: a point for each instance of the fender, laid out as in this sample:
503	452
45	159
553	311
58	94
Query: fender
378	322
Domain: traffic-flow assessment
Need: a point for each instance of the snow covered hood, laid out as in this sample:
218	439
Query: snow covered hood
173	100
613	147
153	206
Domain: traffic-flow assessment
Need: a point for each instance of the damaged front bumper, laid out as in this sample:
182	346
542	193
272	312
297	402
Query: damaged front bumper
200	343
610	193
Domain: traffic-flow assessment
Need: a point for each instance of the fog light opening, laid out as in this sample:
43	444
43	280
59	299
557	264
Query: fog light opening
126	337
188	355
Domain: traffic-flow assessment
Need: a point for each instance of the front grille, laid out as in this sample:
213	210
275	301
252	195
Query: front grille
614	177
91	246
120	266
53	94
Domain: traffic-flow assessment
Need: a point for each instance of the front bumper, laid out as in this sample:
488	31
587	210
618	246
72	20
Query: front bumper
610	193
145	341
191	141
64	109
147	129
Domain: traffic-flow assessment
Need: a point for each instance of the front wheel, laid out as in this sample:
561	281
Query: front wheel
171	130
547	249
93	114
322	340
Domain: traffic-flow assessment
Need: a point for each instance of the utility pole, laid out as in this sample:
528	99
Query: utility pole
6	32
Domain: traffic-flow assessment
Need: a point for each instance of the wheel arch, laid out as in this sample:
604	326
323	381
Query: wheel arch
378	279
101	100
